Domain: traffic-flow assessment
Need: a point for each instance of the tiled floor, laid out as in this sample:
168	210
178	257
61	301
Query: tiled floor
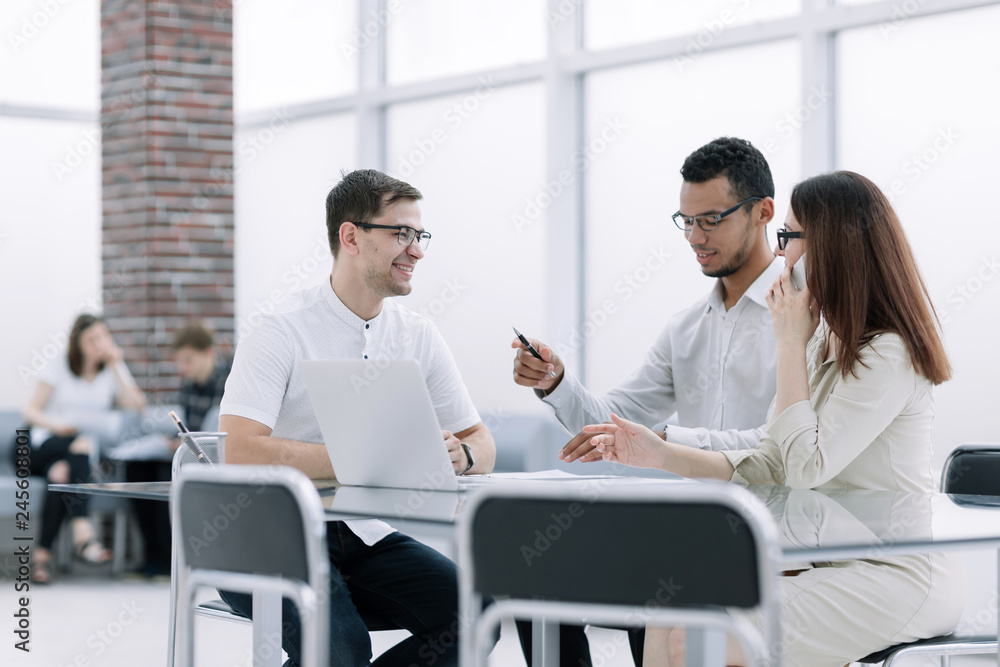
84	621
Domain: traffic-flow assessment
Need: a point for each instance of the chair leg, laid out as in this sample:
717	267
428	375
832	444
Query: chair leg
945	660
63	556
120	541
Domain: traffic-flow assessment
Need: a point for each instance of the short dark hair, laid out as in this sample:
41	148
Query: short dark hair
360	196
194	335
746	168
74	354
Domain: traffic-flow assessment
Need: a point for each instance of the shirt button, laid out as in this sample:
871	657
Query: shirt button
366	356
367	325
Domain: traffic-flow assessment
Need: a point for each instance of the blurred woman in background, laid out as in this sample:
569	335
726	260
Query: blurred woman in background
71	395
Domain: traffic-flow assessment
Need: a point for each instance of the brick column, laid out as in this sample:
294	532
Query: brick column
167	126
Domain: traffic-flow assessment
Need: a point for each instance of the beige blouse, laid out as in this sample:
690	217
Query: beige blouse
869	432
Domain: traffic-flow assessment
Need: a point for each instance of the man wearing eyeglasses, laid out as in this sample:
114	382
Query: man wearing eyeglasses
377	239
714	365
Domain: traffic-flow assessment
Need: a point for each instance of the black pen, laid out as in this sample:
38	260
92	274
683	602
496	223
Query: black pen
183	431
531	349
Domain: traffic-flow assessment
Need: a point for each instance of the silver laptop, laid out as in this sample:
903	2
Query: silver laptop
378	424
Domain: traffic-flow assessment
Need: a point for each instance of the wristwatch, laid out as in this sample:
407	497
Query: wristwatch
468	455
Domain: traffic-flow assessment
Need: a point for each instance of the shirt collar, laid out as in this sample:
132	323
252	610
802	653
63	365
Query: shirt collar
758	290
346	314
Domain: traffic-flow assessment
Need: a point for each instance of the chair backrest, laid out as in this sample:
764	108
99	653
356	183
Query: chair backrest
631	551
972	469
246	528
265	520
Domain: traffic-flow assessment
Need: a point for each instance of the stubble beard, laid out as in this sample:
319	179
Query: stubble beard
736	263
381	283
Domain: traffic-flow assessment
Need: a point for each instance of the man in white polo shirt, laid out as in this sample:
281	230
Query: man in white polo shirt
377	238
714	365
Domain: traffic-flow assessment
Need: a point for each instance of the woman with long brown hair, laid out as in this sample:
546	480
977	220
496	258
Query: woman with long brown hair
70	393
858	356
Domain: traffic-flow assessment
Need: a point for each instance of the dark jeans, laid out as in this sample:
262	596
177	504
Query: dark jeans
60	506
153	515
398	580
574	649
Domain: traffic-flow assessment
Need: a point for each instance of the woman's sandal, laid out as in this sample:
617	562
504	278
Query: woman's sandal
40	573
92	552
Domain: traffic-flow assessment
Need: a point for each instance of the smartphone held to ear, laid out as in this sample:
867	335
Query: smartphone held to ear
799	273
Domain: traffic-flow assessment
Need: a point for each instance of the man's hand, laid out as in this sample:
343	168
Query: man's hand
459	461
580	449
544	374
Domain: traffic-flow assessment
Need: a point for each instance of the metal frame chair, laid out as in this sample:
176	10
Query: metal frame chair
970	470
219	517
690	554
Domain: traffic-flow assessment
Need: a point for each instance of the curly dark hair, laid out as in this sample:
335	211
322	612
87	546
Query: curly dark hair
736	159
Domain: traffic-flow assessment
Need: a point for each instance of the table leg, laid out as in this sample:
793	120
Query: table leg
704	646
266	629
544	643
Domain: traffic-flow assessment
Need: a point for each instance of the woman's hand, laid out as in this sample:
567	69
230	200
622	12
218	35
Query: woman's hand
112	354
794	313
628	443
59	428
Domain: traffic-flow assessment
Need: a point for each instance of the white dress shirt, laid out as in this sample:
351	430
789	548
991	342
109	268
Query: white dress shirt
266	382
715	368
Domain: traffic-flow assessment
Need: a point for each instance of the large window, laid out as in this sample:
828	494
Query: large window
293	51
483	268
280	208
457	36
481	105
641	123
611	23
922	123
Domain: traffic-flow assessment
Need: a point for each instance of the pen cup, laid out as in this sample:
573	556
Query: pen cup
212	443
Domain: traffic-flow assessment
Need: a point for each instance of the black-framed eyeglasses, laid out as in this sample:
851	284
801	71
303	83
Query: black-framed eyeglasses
406	234
784	236
707	223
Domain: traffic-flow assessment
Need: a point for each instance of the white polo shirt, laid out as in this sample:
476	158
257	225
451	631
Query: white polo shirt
266	382
716	368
